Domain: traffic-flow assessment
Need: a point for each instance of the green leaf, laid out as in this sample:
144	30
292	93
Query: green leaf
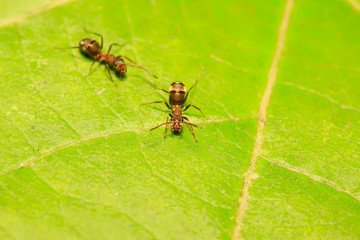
278	152
17	10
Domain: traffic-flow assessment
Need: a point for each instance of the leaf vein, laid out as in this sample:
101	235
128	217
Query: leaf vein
91	203
6	233
354	4
259	139
36	12
37	90
312	177
100	135
343	106
168	182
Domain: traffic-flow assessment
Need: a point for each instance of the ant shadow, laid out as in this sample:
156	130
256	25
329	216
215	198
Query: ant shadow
159	109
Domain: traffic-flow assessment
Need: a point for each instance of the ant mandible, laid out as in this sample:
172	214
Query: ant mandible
177	99
92	48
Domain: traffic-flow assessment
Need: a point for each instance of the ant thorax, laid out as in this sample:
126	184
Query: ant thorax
176	110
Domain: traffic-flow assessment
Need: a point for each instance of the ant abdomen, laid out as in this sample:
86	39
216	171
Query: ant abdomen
177	92
89	46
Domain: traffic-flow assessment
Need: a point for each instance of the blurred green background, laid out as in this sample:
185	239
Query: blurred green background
77	160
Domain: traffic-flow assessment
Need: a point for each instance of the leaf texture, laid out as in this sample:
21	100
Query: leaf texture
77	160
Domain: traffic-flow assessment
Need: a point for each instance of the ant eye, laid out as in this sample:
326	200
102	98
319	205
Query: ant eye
115	63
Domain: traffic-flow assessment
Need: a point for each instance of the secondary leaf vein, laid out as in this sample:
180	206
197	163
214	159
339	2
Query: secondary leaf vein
87	81
343	106
312	177
354	4
37	90
100	135
36	12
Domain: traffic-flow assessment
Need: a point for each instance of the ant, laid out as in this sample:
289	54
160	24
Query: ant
92	48
177	97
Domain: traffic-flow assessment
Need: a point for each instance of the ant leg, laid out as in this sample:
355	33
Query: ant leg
139	66
91	68
167	105
187	94
97	34
163	90
114	44
157	126
186	108
190	125
107	66
167	121
127	58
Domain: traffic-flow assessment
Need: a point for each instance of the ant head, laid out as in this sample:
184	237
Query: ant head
177	92
120	65
176	127
176	131
89	46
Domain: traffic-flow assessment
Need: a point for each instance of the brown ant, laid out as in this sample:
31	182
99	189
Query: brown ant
92	48
177	99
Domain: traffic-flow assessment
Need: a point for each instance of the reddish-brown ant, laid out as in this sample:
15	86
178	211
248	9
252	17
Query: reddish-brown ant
92	48
177	99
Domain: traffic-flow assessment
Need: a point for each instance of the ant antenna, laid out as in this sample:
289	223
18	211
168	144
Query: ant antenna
139	66
65	47
97	34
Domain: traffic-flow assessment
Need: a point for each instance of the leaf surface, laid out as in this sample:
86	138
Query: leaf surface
77	160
